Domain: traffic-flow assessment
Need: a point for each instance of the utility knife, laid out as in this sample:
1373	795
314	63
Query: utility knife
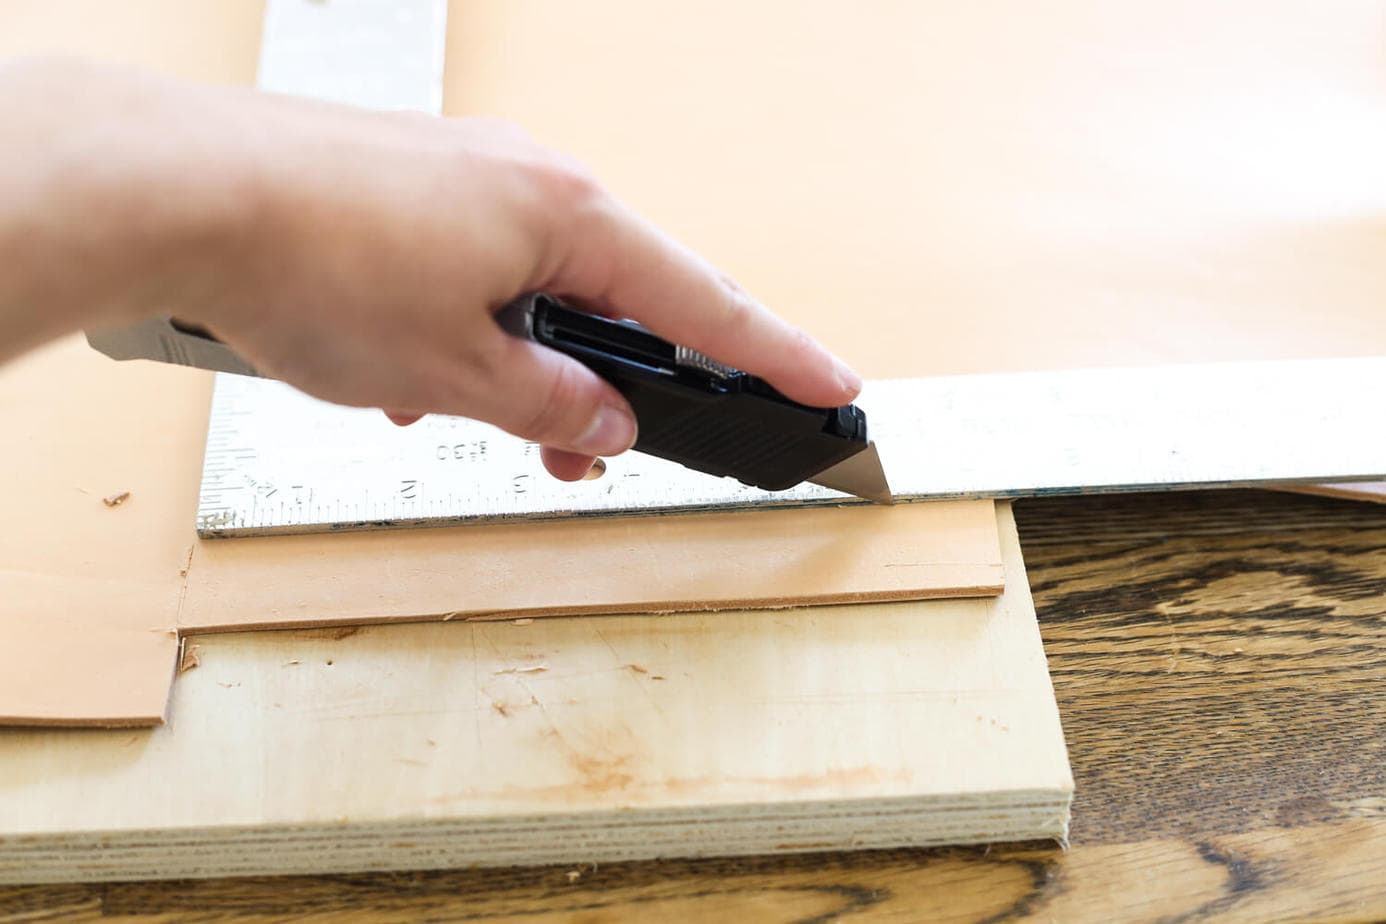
688	408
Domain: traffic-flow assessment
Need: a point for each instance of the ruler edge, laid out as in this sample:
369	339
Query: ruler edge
1371	367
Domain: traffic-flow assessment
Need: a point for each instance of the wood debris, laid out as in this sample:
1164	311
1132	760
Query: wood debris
115	500
522	622
531	669
292	661
637	668
191	658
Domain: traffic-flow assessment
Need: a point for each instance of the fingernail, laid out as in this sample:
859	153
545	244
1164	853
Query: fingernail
847	377
611	431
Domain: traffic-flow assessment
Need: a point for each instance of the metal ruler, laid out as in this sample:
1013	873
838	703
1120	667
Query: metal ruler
381	54
279	461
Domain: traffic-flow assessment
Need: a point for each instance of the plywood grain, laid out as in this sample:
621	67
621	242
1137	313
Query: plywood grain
395	747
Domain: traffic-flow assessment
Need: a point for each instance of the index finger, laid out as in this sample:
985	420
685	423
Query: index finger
621	263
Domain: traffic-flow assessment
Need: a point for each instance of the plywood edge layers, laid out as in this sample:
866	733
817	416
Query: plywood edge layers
604	837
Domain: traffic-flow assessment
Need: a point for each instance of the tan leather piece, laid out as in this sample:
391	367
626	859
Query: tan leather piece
81	651
734	560
90	594
939	188
210	40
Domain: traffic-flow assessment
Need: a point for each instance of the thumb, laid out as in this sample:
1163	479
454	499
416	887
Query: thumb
541	395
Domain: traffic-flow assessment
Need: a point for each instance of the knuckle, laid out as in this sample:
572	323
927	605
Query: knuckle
566	183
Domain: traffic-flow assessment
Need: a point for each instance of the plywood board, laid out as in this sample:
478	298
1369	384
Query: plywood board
562	740
93	597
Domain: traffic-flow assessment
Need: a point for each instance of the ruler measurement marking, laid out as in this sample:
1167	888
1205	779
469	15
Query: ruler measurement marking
971	436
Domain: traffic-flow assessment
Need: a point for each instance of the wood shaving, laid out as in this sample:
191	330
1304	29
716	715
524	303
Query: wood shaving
532	669
293	661
574	875
451	615
522	622
115	500
191	658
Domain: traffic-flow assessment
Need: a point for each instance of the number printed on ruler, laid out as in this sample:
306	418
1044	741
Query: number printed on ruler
279	461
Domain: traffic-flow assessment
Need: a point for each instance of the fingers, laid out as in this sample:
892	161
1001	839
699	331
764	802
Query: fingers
561	464
632	270
541	395
566	466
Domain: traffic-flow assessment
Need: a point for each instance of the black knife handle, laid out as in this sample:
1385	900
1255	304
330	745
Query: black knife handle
692	410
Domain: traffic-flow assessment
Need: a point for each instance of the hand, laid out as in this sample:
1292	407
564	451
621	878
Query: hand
360	256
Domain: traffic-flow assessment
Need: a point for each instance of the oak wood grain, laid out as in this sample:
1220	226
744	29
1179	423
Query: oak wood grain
1220	661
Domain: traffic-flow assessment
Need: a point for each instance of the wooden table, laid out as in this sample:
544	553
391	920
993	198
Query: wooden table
1220	662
